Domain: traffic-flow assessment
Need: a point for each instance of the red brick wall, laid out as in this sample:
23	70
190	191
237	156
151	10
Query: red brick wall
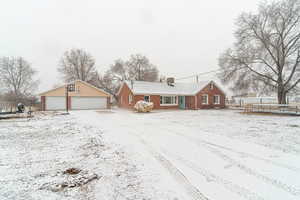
190	102
138	98
108	104
123	98
155	99
210	93
43	103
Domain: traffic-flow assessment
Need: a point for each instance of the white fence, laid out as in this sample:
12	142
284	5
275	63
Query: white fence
7	107
242	101
273	108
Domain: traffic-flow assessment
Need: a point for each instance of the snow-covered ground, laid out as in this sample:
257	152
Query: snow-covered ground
34	154
204	154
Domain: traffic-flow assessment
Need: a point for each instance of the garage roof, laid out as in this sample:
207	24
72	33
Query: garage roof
61	89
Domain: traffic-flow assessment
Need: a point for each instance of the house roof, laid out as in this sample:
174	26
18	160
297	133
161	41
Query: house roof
85	83
162	88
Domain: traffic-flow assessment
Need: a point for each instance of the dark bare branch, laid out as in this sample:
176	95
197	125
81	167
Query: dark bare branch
17	78
267	46
77	64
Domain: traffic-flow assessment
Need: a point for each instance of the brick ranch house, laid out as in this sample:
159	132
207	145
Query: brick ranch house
170	95
85	96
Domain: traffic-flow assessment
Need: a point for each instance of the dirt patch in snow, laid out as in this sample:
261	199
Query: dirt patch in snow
72	178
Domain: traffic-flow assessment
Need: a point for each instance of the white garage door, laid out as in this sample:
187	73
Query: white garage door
84	103
55	103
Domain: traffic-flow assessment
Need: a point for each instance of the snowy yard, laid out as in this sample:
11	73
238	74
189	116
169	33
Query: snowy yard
204	154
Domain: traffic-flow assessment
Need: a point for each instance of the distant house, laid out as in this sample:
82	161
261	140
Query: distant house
84	96
165	95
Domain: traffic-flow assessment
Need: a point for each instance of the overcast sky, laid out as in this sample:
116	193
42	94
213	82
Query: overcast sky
181	37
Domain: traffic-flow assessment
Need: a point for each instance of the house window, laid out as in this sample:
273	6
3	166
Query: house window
130	99
147	98
216	99
204	99
168	100
211	86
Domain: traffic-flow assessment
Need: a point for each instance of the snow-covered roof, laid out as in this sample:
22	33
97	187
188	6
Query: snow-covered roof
162	88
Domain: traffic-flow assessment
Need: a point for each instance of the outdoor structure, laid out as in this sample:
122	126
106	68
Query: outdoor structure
83	96
279	109
171	95
6	106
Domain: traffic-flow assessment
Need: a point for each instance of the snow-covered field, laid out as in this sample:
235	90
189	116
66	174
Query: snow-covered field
204	154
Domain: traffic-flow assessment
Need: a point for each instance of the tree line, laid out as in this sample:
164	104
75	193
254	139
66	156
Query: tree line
77	64
264	58
18	78
266	54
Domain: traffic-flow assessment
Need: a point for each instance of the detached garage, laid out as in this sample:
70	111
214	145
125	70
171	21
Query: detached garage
84	97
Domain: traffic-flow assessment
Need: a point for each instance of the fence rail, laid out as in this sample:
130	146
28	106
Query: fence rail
273	108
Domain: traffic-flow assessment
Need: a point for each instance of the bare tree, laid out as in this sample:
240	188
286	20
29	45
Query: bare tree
266	55
112	78
140	68
119	71
107	82
137	67
17	78
77	64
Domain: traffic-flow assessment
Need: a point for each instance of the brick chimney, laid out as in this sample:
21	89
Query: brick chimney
171	81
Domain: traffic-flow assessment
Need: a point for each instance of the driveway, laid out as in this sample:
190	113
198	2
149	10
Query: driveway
213	154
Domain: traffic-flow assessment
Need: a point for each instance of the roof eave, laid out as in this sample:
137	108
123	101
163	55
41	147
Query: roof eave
161	94
88	84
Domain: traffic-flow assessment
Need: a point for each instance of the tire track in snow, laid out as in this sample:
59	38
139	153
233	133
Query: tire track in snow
243	192
277	183
176	173
278	164
290	189
292	168
192	191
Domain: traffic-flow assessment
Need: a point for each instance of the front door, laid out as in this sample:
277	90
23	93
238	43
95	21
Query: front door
181	101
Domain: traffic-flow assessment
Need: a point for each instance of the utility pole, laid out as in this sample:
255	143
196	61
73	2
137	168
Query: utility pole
67	99
69	88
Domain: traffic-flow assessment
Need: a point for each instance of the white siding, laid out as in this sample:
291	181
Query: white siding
55	103
85	103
